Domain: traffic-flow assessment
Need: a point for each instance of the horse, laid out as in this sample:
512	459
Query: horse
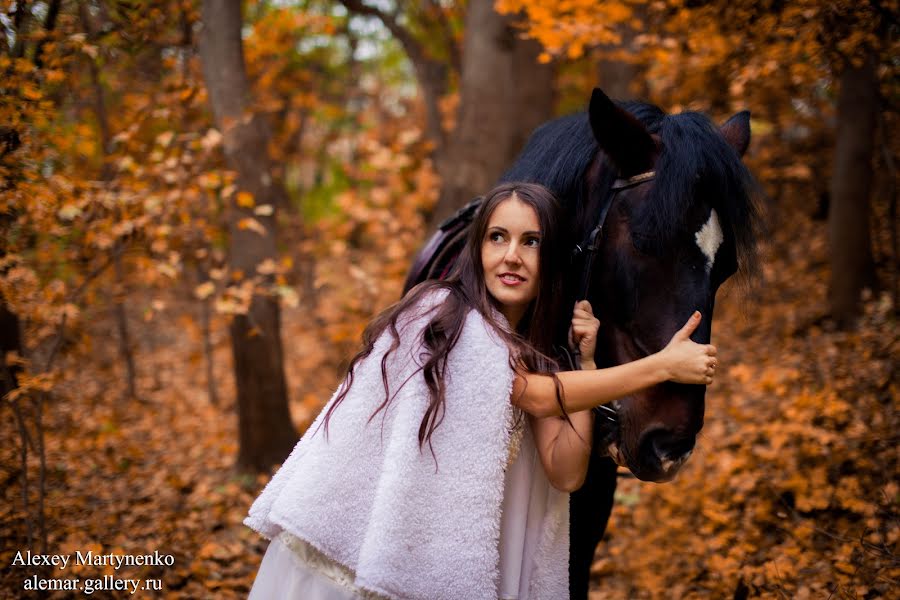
664	212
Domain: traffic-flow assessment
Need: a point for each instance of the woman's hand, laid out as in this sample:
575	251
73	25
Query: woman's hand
687	361
584	333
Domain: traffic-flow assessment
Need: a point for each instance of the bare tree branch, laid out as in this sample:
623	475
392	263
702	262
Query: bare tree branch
49	26
432	75
453	48
20	21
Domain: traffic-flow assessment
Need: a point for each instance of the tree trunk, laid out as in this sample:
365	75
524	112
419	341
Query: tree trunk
532	99
852	267
10	341
49	26
266	434
504	95
20	22
106	175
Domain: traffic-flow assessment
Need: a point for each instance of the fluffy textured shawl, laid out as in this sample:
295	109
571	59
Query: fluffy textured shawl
368	497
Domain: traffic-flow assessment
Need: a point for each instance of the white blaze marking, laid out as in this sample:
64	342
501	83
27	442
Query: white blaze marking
709	238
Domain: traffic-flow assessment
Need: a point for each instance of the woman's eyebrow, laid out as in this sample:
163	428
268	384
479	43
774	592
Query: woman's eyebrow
504	230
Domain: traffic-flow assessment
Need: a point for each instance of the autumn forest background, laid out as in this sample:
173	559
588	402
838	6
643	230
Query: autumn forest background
202	203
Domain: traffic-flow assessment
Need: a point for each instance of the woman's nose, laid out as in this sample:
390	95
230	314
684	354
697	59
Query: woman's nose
512	255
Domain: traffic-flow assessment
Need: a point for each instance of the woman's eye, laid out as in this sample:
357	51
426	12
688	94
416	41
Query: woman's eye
496	236
533	242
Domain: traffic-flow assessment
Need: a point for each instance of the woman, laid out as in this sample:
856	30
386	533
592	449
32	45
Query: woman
361	508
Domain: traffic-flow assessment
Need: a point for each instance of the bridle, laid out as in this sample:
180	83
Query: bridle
588	248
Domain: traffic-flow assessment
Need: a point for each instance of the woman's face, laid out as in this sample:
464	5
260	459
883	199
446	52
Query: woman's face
510	255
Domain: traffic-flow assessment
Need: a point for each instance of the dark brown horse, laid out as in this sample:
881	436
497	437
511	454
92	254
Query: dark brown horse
661	213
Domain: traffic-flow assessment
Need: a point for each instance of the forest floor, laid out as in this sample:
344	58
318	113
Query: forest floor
792	491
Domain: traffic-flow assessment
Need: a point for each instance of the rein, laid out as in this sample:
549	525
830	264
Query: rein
591	244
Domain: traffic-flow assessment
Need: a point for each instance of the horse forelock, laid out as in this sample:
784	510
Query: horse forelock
697	165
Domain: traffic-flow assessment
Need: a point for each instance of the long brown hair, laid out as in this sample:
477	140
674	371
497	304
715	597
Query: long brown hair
531	345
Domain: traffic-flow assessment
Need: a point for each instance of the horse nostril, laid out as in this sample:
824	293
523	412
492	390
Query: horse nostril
663	445
671	447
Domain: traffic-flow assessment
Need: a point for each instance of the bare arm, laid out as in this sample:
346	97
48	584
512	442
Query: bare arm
682	360
565	450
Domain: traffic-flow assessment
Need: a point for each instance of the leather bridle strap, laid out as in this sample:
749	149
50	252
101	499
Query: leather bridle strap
592	243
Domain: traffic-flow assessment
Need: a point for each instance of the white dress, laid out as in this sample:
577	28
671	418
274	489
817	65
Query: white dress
292	569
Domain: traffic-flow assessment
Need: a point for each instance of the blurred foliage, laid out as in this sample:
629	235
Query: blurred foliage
793	490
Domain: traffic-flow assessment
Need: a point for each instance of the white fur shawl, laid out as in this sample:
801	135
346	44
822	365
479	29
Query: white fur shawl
367	496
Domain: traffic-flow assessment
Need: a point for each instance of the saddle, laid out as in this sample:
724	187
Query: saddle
439	254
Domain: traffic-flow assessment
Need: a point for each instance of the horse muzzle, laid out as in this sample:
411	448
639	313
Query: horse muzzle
660	454
655	454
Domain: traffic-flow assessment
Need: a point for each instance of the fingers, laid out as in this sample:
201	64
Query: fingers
583	320
583	330
585	306
580	333
689	327
583	310
710	372
691	362
580	329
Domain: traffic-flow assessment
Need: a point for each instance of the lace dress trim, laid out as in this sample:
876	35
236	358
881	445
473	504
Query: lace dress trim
516	427
333	570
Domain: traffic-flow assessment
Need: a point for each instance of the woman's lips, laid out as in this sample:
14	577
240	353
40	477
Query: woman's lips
511	279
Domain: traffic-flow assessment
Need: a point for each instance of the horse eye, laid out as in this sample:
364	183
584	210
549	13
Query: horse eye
642	243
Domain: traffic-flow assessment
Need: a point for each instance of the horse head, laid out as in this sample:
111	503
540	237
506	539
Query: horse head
680	226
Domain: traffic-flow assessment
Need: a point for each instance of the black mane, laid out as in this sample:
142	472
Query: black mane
695	162
556	156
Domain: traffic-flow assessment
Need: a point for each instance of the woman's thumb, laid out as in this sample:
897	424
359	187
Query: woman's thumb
689	327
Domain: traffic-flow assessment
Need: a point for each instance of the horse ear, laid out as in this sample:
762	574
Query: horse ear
624	139
736	131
